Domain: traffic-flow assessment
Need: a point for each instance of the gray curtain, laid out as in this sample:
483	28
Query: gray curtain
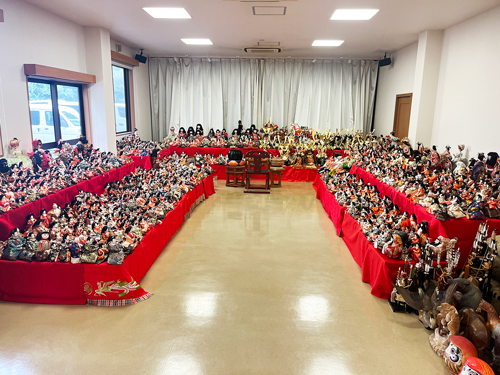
321	94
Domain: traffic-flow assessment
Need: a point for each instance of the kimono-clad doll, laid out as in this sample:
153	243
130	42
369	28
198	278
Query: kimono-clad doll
15	245
30	250
89	251
474	210
30	222
64	251
116	254
43	252
55	248
44	218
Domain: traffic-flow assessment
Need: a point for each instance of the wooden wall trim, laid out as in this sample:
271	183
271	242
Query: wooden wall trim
124	59
132	99
41	71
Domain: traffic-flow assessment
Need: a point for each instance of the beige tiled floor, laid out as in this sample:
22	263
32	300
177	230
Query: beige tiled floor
251	284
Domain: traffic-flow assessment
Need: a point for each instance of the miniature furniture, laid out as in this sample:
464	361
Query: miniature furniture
238	175
258	163
276	171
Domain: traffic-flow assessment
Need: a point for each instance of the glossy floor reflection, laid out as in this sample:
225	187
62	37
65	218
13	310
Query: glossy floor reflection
251	284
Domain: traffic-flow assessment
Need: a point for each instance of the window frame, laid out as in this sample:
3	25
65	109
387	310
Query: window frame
55	109
128	107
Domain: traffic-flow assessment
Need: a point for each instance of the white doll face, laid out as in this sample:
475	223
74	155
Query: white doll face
453	353
466	370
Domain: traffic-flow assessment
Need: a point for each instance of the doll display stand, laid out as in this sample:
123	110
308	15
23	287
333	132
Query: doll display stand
463	229
96	284
377	269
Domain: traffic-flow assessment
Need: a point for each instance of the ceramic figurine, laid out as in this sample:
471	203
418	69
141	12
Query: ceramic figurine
476	366
15	245
457	353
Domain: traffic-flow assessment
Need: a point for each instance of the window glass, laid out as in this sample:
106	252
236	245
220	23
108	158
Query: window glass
70	112
41	109
121	98
35	118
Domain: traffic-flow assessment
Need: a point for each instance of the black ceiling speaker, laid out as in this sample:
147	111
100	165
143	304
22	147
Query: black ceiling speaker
385	61
141	58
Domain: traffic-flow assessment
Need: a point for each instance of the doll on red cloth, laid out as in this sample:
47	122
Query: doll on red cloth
39	156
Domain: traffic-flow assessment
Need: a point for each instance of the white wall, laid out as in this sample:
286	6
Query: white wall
30	35
394	80
468	98
141	93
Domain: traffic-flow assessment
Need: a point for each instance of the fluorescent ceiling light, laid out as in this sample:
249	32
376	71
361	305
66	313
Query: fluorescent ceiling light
204	42
354	14
327	43
167	12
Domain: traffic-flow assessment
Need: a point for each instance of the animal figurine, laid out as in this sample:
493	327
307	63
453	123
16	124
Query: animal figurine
474	329
449	325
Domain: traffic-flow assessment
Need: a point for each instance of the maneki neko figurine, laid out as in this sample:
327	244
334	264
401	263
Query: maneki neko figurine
15	245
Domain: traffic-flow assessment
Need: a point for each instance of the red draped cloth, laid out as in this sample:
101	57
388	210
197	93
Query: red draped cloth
289	174
334	210
376	269
464	230
98	284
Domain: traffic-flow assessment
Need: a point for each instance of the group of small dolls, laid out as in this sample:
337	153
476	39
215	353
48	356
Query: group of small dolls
448	186
396	234
107	227
21	184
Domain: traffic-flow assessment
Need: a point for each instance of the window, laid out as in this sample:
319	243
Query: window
56	111
121	91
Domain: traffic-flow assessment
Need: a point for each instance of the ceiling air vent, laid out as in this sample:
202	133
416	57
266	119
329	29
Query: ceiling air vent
262	49
259	1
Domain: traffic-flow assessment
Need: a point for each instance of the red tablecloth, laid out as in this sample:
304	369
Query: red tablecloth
377	269
334	210
111	285
464	230
289	174
45	282
17	217
98	284
216	151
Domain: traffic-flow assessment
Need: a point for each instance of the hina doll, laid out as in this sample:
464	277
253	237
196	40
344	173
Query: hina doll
75	250
89	251
64	252
474	210
15	245
116	254
43	252
30	250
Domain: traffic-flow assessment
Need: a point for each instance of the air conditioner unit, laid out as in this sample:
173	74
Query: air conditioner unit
262	49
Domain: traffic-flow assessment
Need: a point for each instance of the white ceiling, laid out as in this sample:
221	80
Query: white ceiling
231	24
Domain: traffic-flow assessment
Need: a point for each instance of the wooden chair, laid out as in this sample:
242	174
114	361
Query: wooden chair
258	163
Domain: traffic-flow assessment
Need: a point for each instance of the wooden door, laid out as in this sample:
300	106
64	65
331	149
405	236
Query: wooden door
402	115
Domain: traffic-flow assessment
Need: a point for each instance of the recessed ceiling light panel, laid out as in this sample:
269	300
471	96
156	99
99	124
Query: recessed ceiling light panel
201	42
167	12
327	43
354	14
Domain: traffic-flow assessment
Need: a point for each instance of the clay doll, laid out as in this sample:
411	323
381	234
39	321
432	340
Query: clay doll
43	252
30	250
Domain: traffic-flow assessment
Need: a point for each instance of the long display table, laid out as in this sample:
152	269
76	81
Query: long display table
97	284
377	269
216	151
463	229
17	217
289	174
